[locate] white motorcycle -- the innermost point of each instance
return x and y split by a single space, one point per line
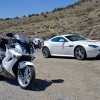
16 61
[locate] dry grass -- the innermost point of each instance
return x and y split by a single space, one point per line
83 18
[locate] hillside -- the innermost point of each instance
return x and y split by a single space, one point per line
82 18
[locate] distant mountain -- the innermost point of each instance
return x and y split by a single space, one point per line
82 17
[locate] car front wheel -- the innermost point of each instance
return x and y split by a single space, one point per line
46 52
80 53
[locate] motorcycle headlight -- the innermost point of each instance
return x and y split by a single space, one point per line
24 51
93 46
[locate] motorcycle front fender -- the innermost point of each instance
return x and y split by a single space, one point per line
23 64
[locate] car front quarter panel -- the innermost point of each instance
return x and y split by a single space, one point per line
91 52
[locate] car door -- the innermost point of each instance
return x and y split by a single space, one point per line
57 45
67 49
60 46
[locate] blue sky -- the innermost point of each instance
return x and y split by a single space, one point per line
14 8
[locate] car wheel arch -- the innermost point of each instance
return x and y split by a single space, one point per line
78 46
47 47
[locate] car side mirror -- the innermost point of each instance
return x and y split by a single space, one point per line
61 40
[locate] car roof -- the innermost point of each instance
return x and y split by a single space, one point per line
67 35
64 35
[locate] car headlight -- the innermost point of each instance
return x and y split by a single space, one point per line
93 46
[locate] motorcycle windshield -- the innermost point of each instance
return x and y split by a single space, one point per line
22 38
25 44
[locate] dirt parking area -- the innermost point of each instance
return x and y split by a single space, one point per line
58 79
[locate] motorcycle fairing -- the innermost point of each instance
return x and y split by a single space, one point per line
23 64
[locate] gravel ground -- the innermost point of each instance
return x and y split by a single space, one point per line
58 79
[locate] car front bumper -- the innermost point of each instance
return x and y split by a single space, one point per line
93 52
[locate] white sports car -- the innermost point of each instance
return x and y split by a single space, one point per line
71 45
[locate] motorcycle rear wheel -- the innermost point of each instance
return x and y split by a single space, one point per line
26 78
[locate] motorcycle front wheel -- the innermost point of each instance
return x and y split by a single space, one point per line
26 77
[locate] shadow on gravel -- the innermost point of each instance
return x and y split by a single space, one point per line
97 58
88 59
11 81
58 57
41 85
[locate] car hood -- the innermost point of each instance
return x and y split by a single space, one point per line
88 42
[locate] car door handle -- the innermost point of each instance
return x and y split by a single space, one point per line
71 45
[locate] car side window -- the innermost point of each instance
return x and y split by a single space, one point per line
59 39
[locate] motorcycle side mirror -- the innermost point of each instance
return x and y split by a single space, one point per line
9 34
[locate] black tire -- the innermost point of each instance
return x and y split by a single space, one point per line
39 45
46 52
30 84
80 53
34 46
1 77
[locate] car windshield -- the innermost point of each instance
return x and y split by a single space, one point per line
75 38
